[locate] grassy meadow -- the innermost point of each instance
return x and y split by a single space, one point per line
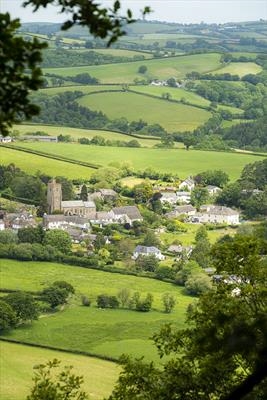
17 362
178 161
163 68
32 163
77 133
102 332
240 68
172 116
175 93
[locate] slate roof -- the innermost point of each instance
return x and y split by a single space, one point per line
146 250
218 210
77 203
131 211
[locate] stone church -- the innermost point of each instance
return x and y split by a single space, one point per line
69 207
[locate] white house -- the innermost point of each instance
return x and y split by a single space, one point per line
188 184
102 217
61 221
183 197
147 251
213 190
6 139
188 210
168 197
217 215
127 214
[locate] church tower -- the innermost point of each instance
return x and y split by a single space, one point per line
54 196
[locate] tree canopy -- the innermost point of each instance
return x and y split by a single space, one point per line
222 352
20 59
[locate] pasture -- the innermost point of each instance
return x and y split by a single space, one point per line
17 362
178 161
101 332
171 116
175 94
163 68
77 133
123 53
240 68
32 163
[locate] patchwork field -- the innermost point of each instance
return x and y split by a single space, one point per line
77 133
240 69
17 362
101 332
32 163
178 161
172 116
157 68
175 93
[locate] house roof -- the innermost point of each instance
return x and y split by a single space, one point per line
131 211
218 210
107 192
168 195
77 203
146 250
181 194
184 209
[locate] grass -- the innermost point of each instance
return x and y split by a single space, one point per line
176 94
32 163
157 68
102 332
178 161
187 238
172 116
17 362
86 89
240 68
77 133
122 53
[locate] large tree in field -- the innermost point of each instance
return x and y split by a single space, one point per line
19 59
222 353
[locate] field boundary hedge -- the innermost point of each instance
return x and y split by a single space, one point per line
52 156
135 135
69 351
207 108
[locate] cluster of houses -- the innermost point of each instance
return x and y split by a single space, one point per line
208 213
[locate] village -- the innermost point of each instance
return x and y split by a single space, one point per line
84 222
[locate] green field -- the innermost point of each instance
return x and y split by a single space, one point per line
173 117
77 133
17 362
102 332
157 68
178 161
240 68
122 53
32 163
176 94
86 89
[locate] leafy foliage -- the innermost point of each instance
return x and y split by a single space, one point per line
19 73
23 304
49 385
222 353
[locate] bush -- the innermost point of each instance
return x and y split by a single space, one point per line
198 284
104 301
